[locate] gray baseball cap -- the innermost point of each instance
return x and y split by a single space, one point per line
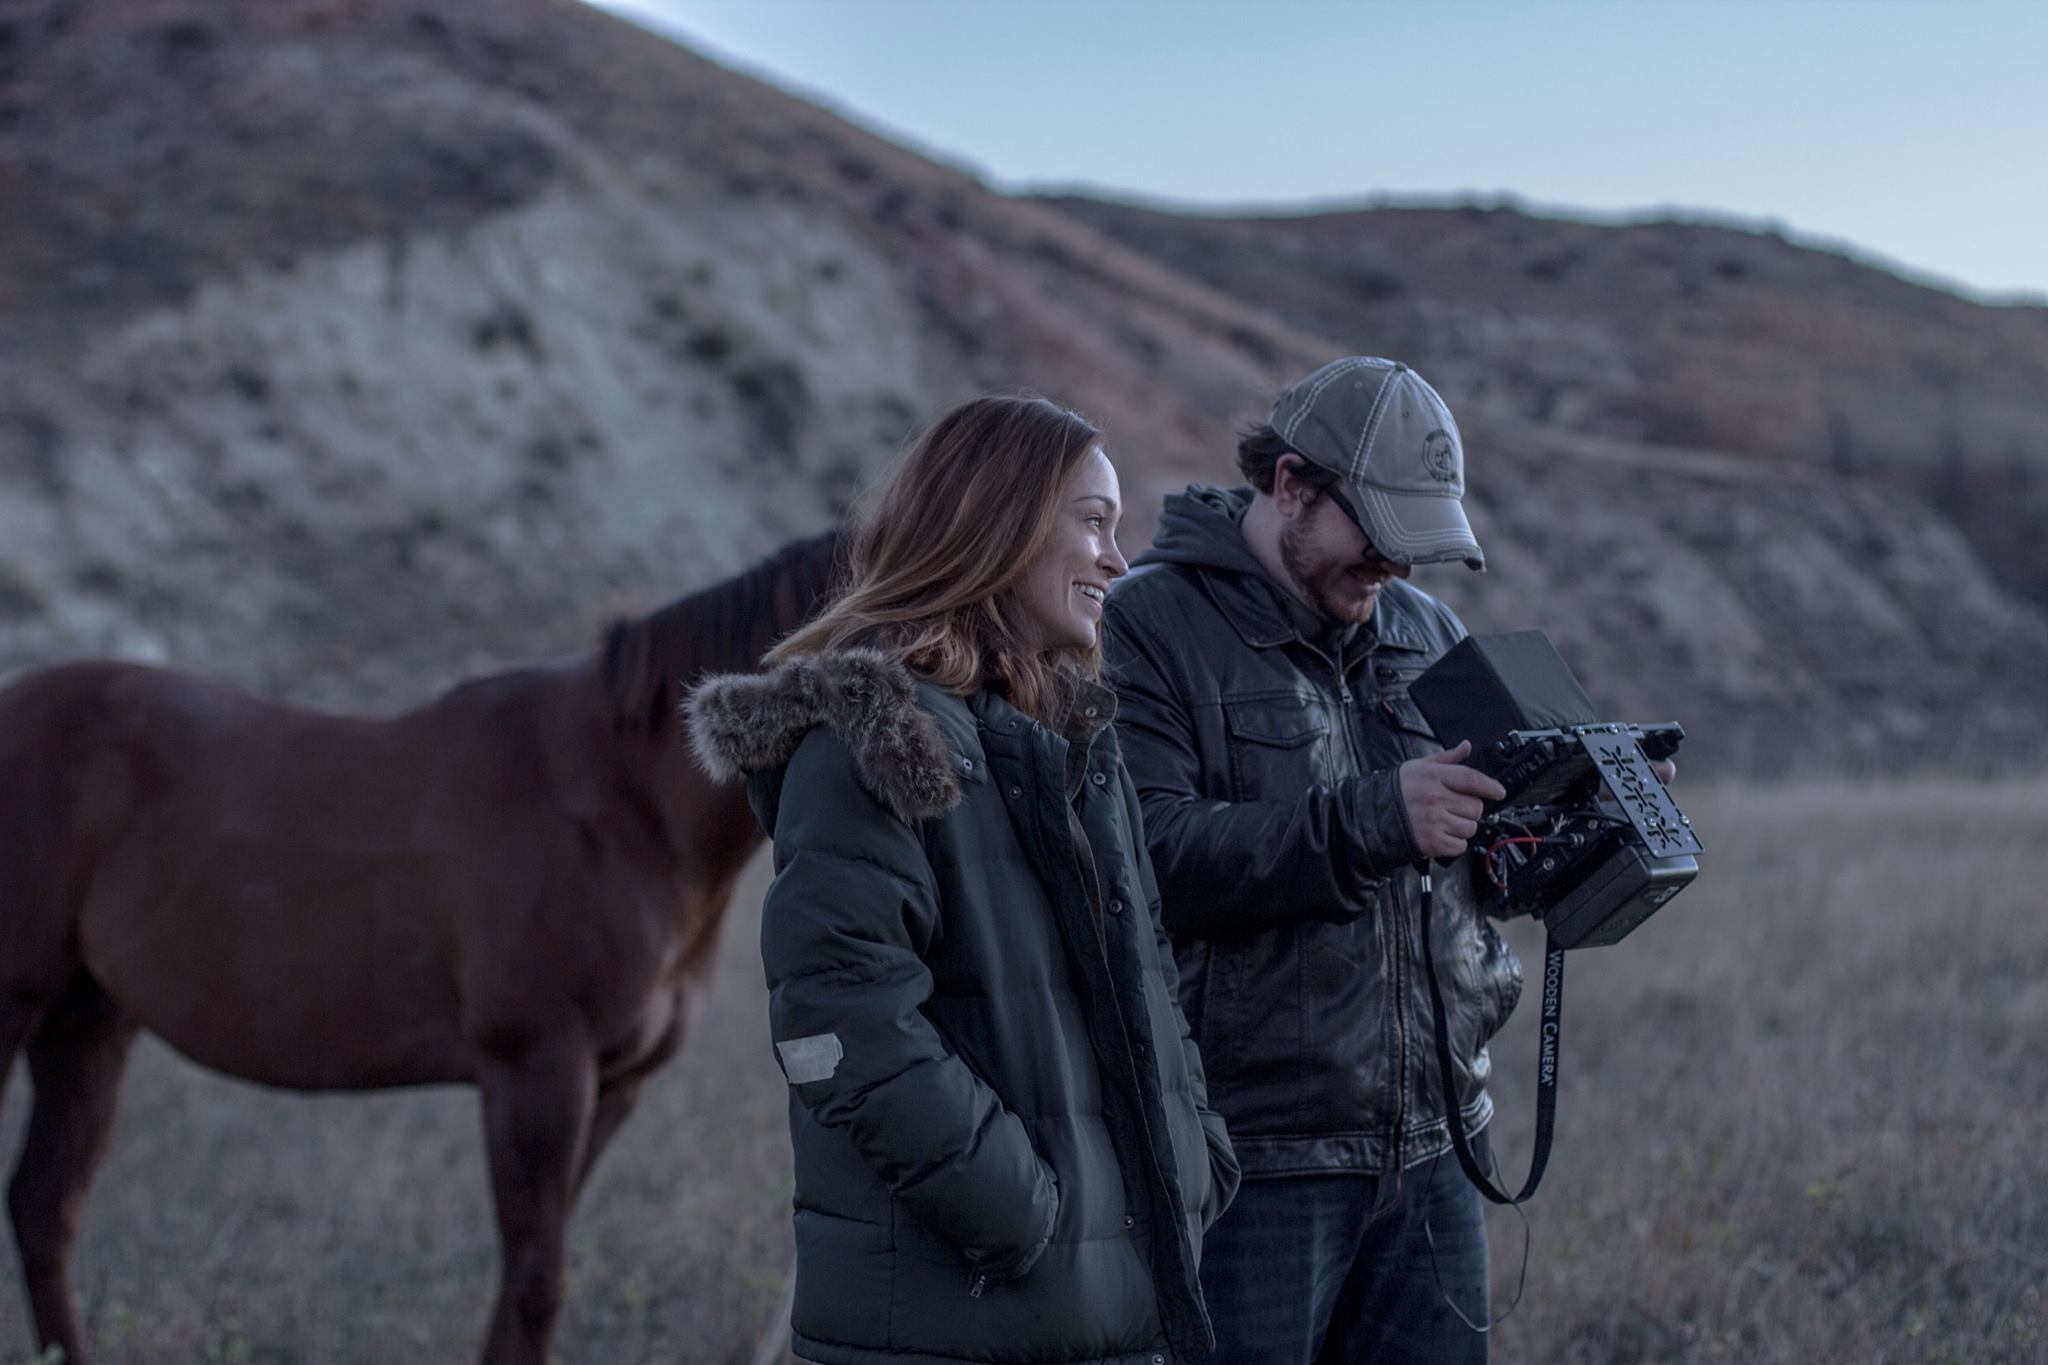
1383 431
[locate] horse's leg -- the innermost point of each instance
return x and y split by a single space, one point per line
18 1015
537 1114
17 1019
614 1104
76 1060
27 985
617 1094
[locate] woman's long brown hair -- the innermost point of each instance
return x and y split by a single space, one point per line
936 564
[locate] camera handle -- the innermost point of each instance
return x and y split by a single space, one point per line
1546 1061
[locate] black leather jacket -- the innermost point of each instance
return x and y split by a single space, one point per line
1266 766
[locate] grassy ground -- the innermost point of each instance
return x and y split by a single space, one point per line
1802 1108
233 1224
1801 1120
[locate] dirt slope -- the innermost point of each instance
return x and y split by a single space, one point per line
347 348
1668 334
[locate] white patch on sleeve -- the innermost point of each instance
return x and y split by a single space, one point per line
810 1059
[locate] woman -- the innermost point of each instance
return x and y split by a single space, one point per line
1004 1150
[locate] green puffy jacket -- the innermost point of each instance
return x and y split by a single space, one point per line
1004 1150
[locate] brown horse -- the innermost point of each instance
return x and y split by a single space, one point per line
517 887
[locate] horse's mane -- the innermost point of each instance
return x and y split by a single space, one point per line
649 661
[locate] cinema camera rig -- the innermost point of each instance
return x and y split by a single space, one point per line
1588 840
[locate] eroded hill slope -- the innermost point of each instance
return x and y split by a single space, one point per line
351 346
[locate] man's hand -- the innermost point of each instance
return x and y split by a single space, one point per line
1445 800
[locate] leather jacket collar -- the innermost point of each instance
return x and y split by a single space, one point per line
1204 527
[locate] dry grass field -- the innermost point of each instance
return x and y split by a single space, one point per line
1802 1109
234 1224
1801 1120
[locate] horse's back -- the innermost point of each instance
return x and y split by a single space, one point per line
271 889
54 725
152 732
86 708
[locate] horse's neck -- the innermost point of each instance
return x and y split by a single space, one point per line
687 653
728 627
719 832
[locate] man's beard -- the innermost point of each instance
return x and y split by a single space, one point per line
1328 583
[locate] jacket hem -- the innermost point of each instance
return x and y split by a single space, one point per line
1261 1157
839 1353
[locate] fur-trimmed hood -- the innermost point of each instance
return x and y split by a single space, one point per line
744 723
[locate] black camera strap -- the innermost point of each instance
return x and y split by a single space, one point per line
1546 1061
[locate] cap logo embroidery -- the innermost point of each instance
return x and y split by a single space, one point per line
1438 458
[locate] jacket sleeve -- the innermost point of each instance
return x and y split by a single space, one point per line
1235 867
845 927
1224 1172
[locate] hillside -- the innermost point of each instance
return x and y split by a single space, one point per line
1667 334
351 346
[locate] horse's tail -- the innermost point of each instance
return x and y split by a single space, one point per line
44 732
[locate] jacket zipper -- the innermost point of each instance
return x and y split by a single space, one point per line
1399 1002
1346 697
1397 986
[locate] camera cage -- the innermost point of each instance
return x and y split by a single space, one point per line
1588 839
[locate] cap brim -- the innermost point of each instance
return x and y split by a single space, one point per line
1416 528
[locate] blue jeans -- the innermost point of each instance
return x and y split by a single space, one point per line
1296 1273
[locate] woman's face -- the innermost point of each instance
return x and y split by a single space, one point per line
1059 599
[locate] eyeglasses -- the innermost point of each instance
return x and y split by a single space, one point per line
1372 551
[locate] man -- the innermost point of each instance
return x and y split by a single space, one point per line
1262 650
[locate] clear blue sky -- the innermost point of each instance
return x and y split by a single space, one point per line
1916 133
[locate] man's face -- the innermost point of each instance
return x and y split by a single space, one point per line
1334 566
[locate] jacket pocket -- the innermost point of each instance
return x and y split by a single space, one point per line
1279 746
1482 977
1504 974
1004 1257
1224 1013
844 1268
1409 729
